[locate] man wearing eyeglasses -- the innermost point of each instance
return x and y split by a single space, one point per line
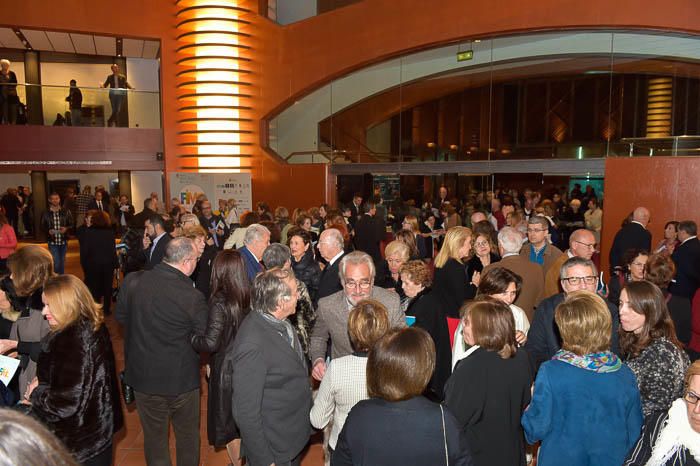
543 338
538 249
357 274
581 244
674 434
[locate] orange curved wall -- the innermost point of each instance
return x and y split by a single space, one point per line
293 60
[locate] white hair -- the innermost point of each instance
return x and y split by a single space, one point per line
332 235
356 258
5 61
510 240
255 232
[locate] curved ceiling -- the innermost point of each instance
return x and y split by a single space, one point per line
295 129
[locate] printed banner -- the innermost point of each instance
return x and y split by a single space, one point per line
216 186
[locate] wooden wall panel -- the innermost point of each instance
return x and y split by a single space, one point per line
667 186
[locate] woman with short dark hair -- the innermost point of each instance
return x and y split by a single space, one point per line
660 270
649 344
345 382
490 389
585 407
634 263
305 267
397 426
75 392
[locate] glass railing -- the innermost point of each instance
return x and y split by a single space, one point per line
84 106
664 146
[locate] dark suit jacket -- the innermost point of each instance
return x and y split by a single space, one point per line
687 260
631 236
252 266
532 290
139 220
271 394
128 215
330 280
356 213
156 257
369 232
92 205
409 432
97 247
452 286
160 311
543 338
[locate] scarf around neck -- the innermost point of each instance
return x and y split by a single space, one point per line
675 435
602 362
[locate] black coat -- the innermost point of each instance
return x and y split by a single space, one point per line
474 265
154 258
77 396
385 280
138 221
369 232
687 260
544 339
329 282
429 312
487 395
409 432
202 274
631 236
160 311
308 272
97 248
218 340
452 286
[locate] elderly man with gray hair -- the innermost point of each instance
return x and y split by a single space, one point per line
532 290
543 338
256 240
331 247
272 395
357 274
160 311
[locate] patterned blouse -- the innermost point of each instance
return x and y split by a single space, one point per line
660 371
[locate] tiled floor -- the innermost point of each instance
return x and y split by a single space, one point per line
128 443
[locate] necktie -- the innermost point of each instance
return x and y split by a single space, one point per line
99 205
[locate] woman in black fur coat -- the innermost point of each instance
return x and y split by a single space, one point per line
75 392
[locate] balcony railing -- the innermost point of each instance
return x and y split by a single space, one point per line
51 106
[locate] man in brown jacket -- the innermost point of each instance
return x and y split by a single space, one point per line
538 250
532 290
581 244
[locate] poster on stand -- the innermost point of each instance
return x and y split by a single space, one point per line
187 187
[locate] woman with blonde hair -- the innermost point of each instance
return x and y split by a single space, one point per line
586 407
489 411
75 392
451 282
410 223
388 276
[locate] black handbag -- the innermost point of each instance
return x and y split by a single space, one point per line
127 390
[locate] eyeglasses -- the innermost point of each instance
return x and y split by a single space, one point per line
535 230
363 284
588 245
639 264
691 397
590 280
481 244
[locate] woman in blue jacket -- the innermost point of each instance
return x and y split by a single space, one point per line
586 407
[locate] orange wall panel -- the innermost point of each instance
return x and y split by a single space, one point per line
667 186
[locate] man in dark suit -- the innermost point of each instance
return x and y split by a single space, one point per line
532 290
160 311
214 224
155 241
686 256
256 240
272 399
369 232
138 221
330 245
123 212
98 203
355 209
543 338
634 235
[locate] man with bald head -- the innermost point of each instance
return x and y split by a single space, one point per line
581 244
634 235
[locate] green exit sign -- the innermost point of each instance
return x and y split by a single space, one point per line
466 55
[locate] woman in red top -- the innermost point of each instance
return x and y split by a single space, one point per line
8 242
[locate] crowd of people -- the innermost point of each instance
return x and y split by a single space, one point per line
468 332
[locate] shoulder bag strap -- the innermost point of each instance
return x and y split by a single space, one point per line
444 435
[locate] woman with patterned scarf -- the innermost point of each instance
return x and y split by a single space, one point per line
672 438
586 407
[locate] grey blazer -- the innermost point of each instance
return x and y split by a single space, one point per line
332 322
271 394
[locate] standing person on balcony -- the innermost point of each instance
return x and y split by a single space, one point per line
117 84
56 222
8 94
75 103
